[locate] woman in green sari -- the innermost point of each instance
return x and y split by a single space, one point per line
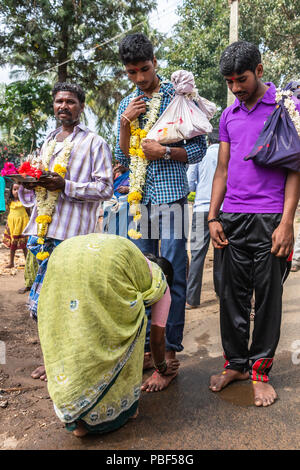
92 326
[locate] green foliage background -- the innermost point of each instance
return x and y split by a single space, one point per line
37 35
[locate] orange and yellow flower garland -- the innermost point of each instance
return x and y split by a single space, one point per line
138 161
46 200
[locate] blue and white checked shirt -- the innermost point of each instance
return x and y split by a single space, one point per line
166 180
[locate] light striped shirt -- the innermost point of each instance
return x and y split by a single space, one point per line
89 180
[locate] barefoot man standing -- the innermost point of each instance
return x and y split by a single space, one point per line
255 230
165 188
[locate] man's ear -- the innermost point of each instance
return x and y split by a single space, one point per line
259 71
155 62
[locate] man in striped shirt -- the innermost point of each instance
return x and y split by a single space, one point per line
87 182
166 185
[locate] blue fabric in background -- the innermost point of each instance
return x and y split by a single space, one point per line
33 245
2 191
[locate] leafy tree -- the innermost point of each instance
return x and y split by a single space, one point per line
42 34
38 35
202 34
12 152
24 110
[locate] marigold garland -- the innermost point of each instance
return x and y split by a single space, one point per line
138 161
46 200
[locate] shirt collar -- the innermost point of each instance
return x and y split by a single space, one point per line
79 127
268 98
163 84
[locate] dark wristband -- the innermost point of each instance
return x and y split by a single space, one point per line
216 219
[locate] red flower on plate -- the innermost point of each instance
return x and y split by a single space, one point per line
27 170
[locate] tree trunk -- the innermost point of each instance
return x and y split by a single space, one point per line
63 53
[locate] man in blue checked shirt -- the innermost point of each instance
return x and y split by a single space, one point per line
165 189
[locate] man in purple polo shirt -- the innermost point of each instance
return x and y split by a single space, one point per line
255 230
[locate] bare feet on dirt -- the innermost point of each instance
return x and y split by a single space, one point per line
264 394
39 373
9 266
80 431
23 290
220 381
157 382
135 415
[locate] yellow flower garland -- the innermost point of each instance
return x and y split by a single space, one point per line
139 162
46 200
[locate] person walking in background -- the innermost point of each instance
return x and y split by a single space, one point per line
115 211
17 220
200 177
296 256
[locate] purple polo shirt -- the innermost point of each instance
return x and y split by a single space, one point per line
250 188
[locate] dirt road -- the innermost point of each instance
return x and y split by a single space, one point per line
190 416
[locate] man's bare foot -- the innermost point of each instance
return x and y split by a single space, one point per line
157 382
9 266
218 382
23 290
264 393
80 431
148 361
39 373
170 355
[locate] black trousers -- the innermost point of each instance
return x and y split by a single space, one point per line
249 267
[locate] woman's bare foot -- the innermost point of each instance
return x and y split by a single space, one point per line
23 290
135 414
264 394
80 431
39 373
218 382
148 361
157 382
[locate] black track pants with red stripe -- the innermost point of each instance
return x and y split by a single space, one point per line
249 267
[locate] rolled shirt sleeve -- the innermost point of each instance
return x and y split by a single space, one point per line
195 149
119 154
26 196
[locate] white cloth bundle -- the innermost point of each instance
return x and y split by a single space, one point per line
183 118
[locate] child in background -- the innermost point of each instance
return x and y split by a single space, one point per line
16 222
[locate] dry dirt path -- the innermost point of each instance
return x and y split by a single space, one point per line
196 419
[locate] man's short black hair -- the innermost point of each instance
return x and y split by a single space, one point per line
239 57
65 86
213 136
135 48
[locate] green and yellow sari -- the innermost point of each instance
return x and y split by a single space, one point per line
92 323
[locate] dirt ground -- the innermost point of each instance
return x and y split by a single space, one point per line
27 418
